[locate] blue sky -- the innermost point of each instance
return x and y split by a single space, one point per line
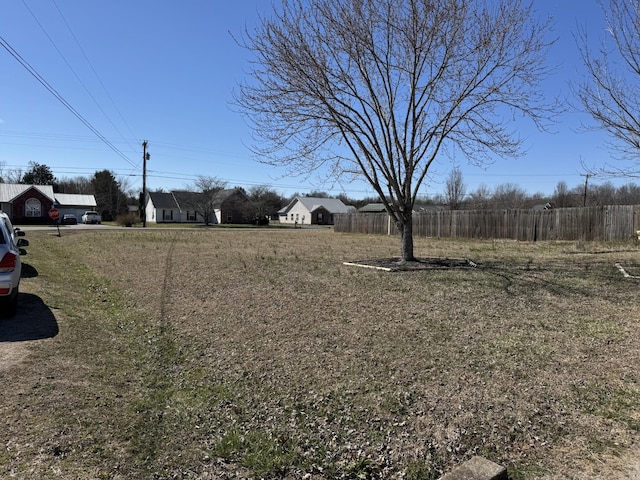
164 71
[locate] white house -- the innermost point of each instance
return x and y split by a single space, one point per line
163 207
313 211
228 206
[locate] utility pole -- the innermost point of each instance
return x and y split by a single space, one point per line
145 157
586 183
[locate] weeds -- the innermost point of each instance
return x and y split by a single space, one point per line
257 451
258 352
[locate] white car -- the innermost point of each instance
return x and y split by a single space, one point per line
10 265
91 216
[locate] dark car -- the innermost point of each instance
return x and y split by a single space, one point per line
69 219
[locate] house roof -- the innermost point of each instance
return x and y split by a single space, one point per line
223 195
163 200
546 206
76 200
185 200
372 208
10 191
429 208
331 205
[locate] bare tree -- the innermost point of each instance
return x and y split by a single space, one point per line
509 195
378 89
266 202
207 189
79 185
628 194
126 185
480 199
611 92
562 197
13 175
455 189
603 194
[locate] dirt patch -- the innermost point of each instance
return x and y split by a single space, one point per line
11 354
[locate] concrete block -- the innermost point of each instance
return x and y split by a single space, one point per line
478 468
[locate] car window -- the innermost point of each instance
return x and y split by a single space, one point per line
4 234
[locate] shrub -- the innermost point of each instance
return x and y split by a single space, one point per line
127 219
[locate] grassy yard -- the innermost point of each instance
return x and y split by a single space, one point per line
240 353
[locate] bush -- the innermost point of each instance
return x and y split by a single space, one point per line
127 219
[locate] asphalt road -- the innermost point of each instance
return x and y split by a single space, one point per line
79 226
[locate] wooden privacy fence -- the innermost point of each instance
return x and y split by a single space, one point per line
613 222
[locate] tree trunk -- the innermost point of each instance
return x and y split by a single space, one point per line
406 238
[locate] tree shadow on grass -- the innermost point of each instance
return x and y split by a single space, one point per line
398 265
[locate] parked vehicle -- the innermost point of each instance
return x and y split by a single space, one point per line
10 265
69 219
91 216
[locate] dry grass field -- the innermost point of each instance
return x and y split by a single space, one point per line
241 353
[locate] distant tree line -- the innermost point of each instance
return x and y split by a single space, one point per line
113 196
510 195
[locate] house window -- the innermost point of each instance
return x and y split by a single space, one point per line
167 214
229 217
319 217
33 208
191 216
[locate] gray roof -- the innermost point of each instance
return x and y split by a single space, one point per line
223 195
75 200
372 208
331 205
186 200
9 191
163 200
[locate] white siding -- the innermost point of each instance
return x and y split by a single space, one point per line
297 213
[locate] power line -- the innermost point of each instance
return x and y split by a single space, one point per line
104 88
61 99
70 67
